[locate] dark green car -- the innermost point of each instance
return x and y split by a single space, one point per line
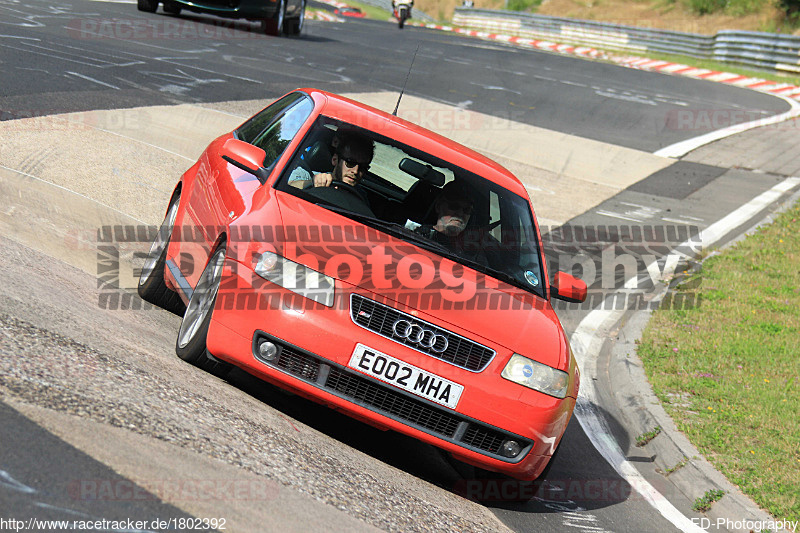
277 17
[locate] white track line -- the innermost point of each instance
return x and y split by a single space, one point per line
588 339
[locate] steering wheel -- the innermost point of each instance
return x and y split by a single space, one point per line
341 185
342 195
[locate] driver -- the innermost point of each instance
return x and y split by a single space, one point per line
350 162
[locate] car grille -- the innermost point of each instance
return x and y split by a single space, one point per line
381 318
391 402
298 364
484 438
367 392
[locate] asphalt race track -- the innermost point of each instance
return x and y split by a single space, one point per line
99 55
104 107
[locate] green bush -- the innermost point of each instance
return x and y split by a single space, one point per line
706 7
522 5
738 8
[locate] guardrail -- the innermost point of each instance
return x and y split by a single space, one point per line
754 49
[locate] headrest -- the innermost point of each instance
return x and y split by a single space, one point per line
318 157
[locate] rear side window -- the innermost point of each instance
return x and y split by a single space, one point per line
274 128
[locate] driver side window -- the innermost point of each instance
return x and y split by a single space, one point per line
274 128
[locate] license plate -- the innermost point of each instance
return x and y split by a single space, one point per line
405 376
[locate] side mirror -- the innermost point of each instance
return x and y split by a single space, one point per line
246 157
568 288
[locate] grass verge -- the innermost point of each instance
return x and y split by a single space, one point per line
728 370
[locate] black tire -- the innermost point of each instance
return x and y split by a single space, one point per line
401 19
191 342
295 25
151 281
172 7
148 6
276 25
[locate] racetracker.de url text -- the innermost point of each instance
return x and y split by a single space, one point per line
103 524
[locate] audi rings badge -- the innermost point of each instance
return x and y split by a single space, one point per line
423 337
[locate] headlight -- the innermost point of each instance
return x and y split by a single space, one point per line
295 277
536 376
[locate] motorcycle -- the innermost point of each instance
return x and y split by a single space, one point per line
402 11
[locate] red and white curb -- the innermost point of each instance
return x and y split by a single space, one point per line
323 15
758 84
327 16
334 3
519 41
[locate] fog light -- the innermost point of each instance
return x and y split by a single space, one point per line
267 350
510 448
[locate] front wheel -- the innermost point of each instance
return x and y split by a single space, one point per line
192 335
151 281
401 19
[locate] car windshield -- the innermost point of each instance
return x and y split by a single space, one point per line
422 200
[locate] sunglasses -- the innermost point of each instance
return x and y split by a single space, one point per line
350 162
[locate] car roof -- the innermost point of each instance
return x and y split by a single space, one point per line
369 118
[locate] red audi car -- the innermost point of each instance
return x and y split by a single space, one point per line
368 264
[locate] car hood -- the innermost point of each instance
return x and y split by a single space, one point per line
422 283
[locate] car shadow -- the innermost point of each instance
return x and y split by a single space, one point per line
580 479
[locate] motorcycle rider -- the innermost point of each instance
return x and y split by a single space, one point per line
397 4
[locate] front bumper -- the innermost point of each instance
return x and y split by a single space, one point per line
389 401
314 347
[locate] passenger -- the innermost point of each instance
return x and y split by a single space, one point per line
453 208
